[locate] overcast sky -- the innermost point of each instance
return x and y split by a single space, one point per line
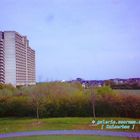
91 39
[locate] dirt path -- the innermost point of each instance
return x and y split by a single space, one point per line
72 132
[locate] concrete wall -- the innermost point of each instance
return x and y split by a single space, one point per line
10 58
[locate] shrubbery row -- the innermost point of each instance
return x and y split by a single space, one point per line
66 100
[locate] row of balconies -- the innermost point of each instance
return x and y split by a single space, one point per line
21 52
21 78
2 68
1 43
19 42
20 46
2 74
1 59
20 49
21 73
2 77
19 64
18 37
20 58
31 77
2 63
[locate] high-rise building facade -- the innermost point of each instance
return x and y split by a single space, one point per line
2 69
19 59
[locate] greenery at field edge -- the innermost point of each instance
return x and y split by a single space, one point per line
8 125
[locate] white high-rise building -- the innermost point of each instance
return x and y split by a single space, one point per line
2 69
19 59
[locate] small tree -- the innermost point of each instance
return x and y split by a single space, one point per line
93 100
37 100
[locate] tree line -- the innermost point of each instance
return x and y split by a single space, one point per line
56 99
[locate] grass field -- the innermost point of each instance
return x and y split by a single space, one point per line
29 124
67 138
